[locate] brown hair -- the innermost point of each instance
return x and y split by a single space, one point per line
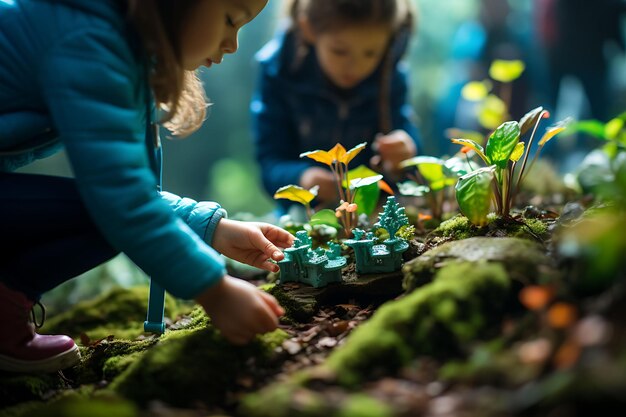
328 15
178 91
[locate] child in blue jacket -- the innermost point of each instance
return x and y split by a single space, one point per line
334 76
86 76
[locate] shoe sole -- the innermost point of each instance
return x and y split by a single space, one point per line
52 364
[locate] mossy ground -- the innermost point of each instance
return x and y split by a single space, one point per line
458 335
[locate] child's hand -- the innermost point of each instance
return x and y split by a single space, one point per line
253 243
327 192
240 310
392 149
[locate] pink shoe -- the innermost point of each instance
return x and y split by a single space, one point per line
23 350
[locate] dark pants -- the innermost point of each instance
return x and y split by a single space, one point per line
48 236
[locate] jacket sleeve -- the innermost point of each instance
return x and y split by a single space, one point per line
202 216
96 93
402 114
275 135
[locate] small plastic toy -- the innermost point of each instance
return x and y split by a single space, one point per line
317 267
385 257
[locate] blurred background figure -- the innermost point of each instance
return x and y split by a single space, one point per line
581 39
583 44
497 31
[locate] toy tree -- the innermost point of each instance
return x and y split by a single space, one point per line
392 218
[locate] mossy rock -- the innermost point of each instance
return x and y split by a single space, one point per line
464 303
193 366
525 261
120 312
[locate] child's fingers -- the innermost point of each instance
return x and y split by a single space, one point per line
272 303
267 320
269 266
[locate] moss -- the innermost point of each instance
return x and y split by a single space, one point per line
21 409
294 309
15 388
360 405
490 364
524 260
192 365
120 312
534 226
294 398
458 227
417 325
94 358
117 364
78 405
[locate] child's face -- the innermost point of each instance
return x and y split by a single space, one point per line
211 30
350 55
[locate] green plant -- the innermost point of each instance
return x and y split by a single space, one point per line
338 160
501 179
431 179
603 171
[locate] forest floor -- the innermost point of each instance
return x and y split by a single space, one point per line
509 340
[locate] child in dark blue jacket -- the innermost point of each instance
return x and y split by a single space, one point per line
334 76
86 75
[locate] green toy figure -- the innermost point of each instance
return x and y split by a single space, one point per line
385 257
317 267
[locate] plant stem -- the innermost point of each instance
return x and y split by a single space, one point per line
505 192
520 176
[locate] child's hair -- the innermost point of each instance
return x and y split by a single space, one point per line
328 15
179 92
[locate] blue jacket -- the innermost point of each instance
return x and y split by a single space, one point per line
296 109
72 76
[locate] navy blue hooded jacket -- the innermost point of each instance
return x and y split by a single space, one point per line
296 109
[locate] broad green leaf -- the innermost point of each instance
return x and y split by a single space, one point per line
442 183
613 128
502 142
413 189
431 171
368 193
473 193
416 160
476 90
456 167
430 168
368 183
364 182
530 119
492 112
475 147
359 172
552 131
296 193
517 152
366 198
326 217
593 128
506 71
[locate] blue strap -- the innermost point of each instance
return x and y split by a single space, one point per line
155 322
